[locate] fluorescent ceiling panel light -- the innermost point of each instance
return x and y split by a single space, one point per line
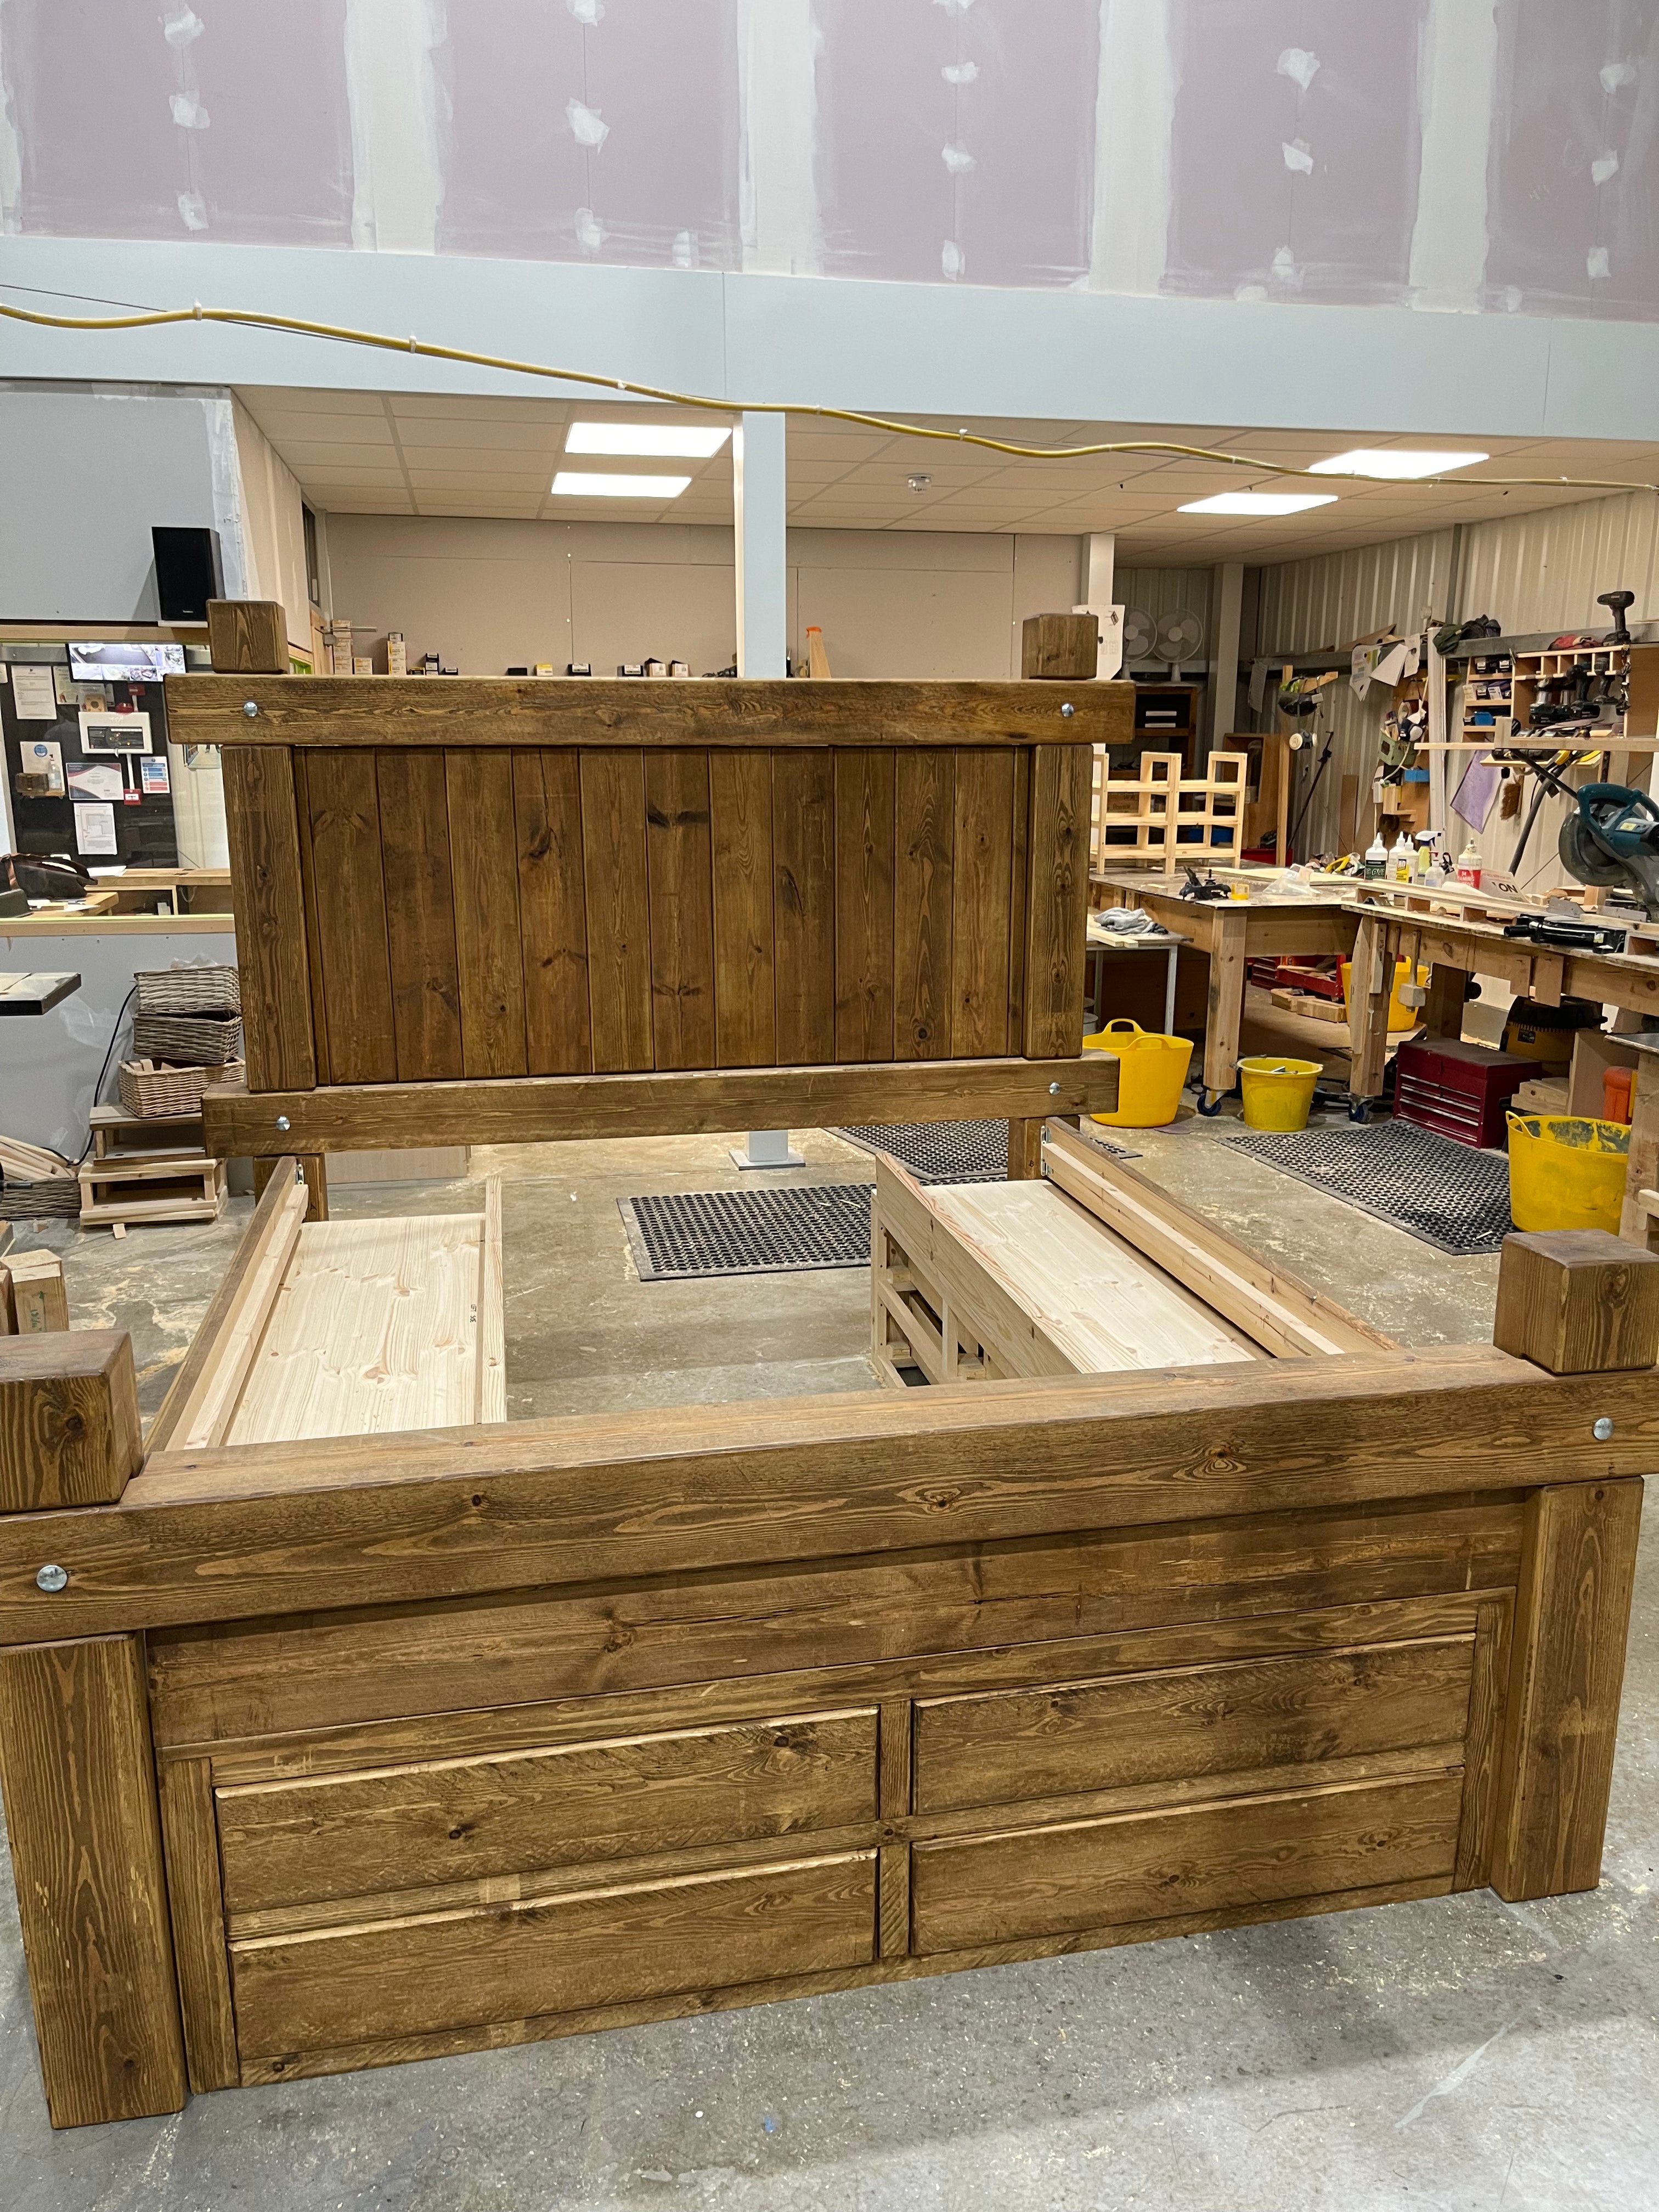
576 483
657 441
1258 502
1394 461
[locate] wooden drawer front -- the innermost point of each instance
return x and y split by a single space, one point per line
409 1828
552 1954
1203 1858
1233 1718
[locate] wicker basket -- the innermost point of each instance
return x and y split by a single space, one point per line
57 1196
203 1040
148 1090
202 990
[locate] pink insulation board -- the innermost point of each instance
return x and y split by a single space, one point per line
226 120
956 140
1573 180
591 132
1295 148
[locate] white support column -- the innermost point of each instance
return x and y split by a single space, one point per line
760 519
1229 602
1100 562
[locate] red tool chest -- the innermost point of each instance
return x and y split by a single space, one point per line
1461 1090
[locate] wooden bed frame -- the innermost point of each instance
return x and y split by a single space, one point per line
345 1750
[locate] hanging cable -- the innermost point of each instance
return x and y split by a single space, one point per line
343 334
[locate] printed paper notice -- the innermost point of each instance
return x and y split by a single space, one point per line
95 829
153 776
34 698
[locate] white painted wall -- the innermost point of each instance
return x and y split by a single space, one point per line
490 595
273 527
88 469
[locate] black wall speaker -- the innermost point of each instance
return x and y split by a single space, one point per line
186 572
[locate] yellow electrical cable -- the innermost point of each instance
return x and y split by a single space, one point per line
343 333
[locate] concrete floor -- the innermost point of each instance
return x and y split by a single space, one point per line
1458 2054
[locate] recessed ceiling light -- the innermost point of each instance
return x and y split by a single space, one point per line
1392 461
1258 502
577 483
657 441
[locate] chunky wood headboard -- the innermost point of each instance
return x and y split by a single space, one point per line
461 880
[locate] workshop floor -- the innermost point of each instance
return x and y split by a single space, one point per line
1460 2054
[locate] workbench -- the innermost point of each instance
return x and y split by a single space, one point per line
1270 922
32 993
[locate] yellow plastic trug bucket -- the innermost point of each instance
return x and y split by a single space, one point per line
1150 1071
1400 1018
1277 1092
1567 1171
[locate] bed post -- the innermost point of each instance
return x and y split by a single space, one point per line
1574 1302
76 1762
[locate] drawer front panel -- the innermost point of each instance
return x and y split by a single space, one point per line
1233 1718
554 1955
1140 1867
409 1828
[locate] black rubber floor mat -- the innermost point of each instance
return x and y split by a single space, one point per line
748 1232
952 1152
1451 1195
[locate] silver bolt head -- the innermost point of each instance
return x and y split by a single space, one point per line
1068 710
1602 1430
250 707
52 1578
282 1121
1053 1090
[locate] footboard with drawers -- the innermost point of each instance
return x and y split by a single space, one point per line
340 1751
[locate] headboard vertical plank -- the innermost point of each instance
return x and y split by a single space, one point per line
740 814
1019 896
1058 914
864 904
415 848
982 903
484 840
552 910
342 826
803 871
924 838
618 910
679 863
268 895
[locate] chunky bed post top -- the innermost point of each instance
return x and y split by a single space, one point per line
789 902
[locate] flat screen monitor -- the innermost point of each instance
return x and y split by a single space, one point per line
91 663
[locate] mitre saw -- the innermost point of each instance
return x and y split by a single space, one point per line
1612 840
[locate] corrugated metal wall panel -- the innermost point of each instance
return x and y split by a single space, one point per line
1534 572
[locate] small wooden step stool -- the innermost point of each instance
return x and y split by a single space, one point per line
148 1169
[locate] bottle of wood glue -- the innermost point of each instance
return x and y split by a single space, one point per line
1401 860
1468 865
1377 859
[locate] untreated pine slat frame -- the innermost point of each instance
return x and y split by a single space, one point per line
640 1104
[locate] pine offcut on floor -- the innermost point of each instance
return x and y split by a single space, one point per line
952 1152
1451 1195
